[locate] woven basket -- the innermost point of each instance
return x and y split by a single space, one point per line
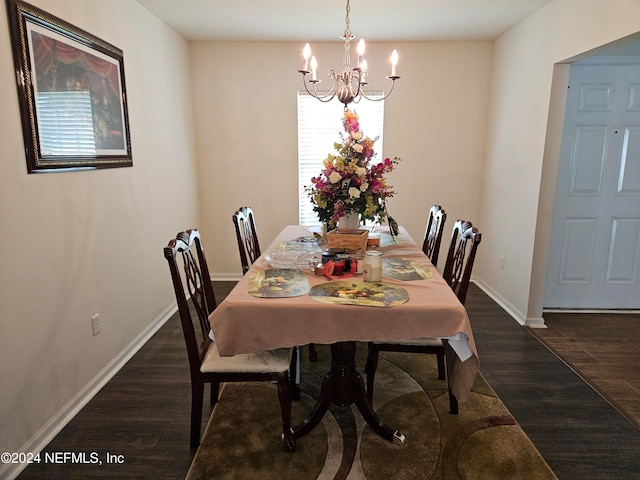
350 240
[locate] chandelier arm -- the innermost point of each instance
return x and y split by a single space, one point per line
384 95
358 77
328 96
323 98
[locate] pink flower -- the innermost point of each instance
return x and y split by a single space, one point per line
351 121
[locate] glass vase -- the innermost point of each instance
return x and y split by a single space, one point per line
350 221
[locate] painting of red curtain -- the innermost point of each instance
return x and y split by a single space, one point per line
72 94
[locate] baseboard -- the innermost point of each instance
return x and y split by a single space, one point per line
591 310
535 322
48 432
507 307
226 277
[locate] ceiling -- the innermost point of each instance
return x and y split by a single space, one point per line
324 20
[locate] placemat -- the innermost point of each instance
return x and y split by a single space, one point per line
375 294
405 269
278 283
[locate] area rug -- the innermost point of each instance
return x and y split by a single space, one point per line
242 439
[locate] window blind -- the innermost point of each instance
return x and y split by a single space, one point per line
65 123
319 127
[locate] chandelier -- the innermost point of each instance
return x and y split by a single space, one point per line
350 83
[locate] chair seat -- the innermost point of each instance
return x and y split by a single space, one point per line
431 341
263 362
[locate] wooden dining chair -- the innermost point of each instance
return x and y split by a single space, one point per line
433 233
205 363
465 239
249 248
247 237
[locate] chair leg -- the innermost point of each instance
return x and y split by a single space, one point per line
284 396
370 370
294 373
197 394
313 355
441 368
453 403
215 392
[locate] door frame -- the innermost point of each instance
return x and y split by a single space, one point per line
549 173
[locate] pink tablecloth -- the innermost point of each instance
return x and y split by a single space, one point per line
243 323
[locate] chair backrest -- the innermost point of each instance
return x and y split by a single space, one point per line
247 236
198 282
465 239
433 233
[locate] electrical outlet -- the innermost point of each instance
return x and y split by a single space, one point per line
501 263
95 324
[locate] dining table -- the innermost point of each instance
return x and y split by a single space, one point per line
414 306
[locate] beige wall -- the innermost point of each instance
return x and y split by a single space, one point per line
82 243
516 204
245 116
76 244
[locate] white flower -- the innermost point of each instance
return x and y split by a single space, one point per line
356 135
364 186
358 148
361 171
334 177
354 192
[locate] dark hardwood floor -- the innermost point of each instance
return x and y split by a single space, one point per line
142 414
578 432
604 349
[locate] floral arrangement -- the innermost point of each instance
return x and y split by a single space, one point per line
350 181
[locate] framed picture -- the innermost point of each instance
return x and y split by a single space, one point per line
72 94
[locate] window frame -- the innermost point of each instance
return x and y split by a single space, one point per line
319 127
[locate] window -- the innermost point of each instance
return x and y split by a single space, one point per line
319 127
65 123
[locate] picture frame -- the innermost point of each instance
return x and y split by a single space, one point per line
71 91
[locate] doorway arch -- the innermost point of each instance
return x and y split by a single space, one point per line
629 47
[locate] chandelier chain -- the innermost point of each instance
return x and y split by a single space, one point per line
347 30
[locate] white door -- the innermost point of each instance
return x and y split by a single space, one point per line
594 254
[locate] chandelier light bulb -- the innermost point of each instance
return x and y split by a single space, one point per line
360 52
306 52
394 62
314 68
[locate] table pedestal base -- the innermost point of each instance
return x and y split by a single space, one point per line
343 386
